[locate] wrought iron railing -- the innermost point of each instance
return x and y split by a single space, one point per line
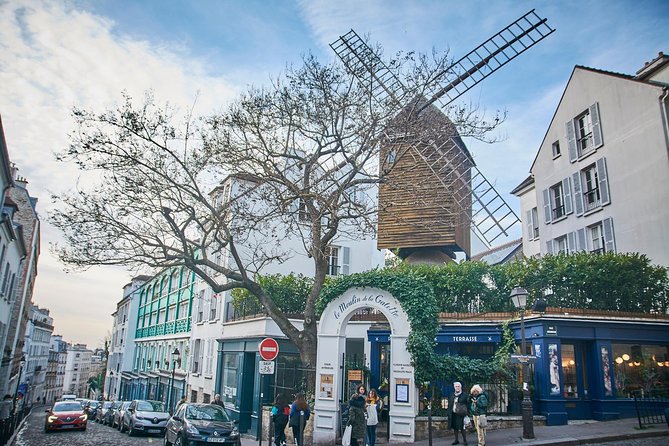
651 406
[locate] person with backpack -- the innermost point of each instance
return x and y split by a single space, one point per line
280 416
373 409
298 408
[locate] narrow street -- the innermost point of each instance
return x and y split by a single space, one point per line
32 434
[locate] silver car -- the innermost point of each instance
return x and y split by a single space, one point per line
145 416
118 413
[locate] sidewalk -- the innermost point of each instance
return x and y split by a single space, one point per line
578 433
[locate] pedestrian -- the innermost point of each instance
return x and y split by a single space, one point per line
457 411
356 418
373 410
478 407
280 417
217 400
181 401
298 408
361 390
6 407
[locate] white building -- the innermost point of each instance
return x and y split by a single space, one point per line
77 370
122 346
36 352
600 180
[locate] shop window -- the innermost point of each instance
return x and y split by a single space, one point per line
640 368
230 379
570 381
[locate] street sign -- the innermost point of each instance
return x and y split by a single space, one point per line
523 359
269 349
266 367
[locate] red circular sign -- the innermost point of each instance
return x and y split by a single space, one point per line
269 349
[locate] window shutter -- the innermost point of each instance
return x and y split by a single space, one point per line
609 239
596 125
603 181
530 229
578 194
549 247
566 190
345 260
535 223
582 246
571 140
547 205
571 242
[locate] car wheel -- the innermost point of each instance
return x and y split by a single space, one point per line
131 431
179 441
122 427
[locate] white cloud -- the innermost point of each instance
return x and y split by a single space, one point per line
53 58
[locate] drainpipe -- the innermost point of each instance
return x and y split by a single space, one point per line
663 104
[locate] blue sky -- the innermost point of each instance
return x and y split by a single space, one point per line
56 55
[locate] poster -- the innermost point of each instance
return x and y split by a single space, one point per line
325 389
606 372
402 390
554 369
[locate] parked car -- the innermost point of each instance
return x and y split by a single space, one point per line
91 408
195 424
145 416
108 416
68 397
102 411
65 415
118 414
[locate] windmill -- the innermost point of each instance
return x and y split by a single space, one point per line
433 192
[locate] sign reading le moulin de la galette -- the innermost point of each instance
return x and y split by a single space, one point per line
366 300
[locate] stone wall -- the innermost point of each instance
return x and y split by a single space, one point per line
440 425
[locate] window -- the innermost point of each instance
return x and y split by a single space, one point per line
213 307
584 133
591 197
641 366
332 254
533 224
560 245
597 239
591 188
556 149
196 356
557 202
302 213
200 306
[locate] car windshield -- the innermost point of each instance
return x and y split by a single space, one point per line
126 405
208 412
107 404
67 407
150 406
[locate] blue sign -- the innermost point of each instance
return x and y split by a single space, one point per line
23 387
467 338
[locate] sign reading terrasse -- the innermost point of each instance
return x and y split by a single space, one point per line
366 300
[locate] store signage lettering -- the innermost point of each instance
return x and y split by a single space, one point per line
465 338
379 300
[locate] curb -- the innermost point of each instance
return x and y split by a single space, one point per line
595 439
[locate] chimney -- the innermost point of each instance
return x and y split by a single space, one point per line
21 182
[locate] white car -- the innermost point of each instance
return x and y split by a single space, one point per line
145 416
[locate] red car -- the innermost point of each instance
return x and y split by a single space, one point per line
65 415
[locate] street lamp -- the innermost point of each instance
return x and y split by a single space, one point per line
519 299
176 356
22 363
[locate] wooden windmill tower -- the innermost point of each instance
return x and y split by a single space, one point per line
433 194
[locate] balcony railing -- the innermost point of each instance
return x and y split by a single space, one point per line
558 212
592 199
182 325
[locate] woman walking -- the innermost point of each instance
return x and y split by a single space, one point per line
478 406
356 418
457 410
298 408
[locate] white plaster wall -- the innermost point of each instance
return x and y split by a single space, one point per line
636 156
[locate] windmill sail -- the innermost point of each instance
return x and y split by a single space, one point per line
472 199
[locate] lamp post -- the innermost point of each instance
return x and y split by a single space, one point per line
22 363
176 356
519 299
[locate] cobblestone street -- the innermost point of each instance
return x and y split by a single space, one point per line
32 434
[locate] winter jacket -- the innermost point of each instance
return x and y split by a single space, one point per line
478 405
356 417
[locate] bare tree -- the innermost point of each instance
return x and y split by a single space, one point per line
307 148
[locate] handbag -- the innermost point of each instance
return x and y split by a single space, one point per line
346 438
467 422
460 408
483 421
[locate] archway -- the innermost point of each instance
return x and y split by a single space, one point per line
331 345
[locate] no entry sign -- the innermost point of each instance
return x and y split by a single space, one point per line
269 349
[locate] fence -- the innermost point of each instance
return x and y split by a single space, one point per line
651 405
292 378
8 426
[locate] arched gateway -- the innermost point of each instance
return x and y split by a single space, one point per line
331 345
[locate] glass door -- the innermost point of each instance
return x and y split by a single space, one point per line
575 380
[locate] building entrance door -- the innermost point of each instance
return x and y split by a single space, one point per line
575 370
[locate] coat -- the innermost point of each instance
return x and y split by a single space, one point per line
356 417
478 405
455 421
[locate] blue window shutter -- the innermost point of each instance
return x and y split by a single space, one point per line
580 235
571 140
596 125
603 181
578 194
547 205
571 242
609 238
549 247
345 260
566 190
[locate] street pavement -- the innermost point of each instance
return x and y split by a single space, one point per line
32 434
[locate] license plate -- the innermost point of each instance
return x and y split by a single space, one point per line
154 431
215 440
67 426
